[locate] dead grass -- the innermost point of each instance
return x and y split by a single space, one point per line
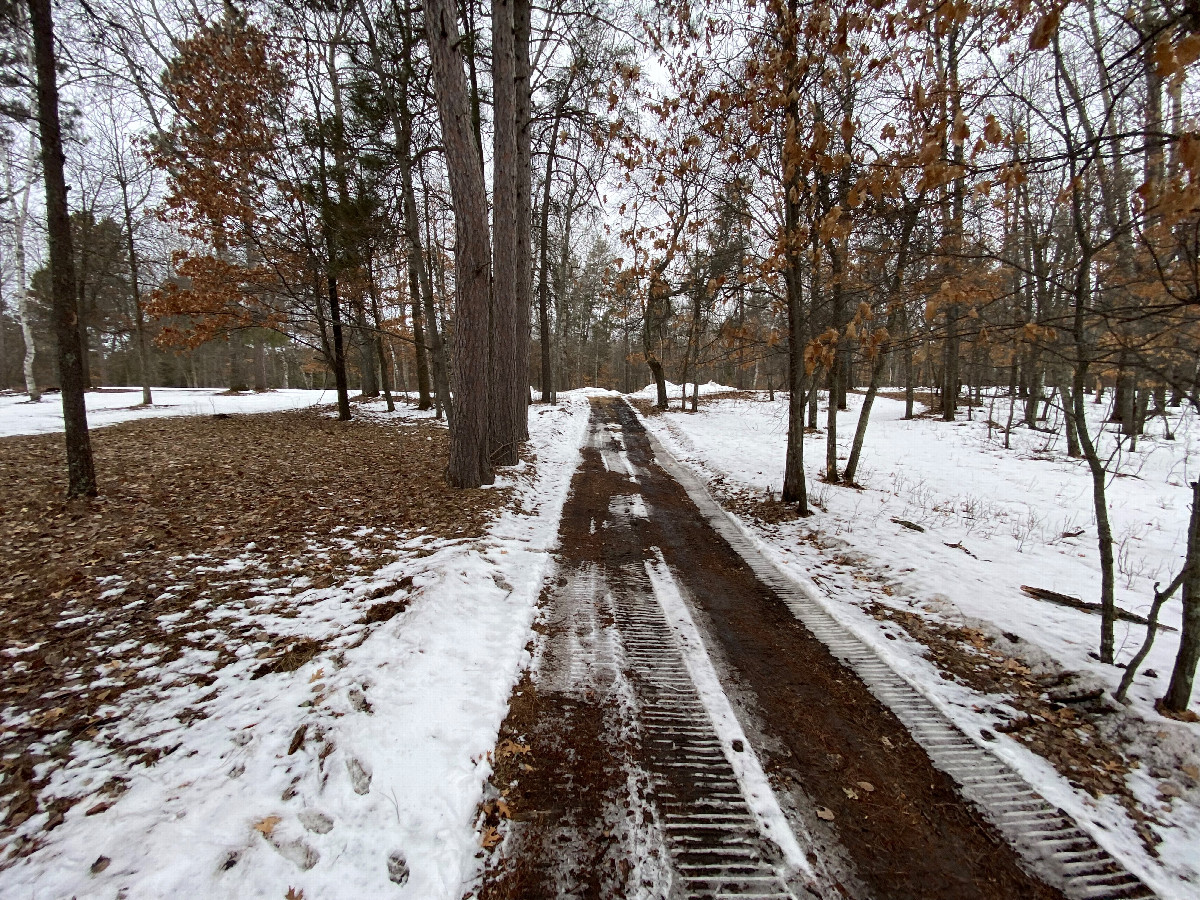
194 515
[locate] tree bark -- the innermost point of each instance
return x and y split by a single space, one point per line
384 379
260 364
1179 692
339 343
1072 432
470 464
864 415
522 29
139 319
433 329
503 425
81 473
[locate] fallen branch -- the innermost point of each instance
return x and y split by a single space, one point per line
1076 603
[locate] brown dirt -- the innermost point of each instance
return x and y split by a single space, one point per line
558 767
823 733
179 498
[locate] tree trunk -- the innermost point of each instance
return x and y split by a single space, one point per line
1140 408
364 339
339 344
139 319
1072 432
81 473
522 29
950 366
332 270
433 329
1103 526
831 462
795 486
85 359
660 381
1179 692
20 214
1033 398
237 376
546 370
260 364
422 355
470 464
378 342
503 412
860 431
544 330
418 327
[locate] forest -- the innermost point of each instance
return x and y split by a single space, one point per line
937 198
982 211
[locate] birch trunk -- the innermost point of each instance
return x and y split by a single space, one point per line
20 214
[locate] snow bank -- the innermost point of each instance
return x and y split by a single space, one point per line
113 405
650 392
377 794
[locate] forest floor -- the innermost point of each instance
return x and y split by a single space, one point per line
925 562
275 658
195 659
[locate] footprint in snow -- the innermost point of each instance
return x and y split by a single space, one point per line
397 867
316 821
297 851
360 777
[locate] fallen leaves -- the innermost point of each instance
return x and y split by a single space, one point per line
824 812
507 747
191 509
297 739
266 825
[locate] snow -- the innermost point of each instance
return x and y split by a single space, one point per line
650 392
379 797
757 790
994 520
113 405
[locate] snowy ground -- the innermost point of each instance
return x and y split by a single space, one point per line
994 520
112 405
359 773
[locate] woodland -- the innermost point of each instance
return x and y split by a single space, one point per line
477 206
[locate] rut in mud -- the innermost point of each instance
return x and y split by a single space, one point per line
614 776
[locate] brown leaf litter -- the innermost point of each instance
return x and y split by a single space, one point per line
196 516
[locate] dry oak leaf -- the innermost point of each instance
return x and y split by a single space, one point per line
267 825
491 837
507 747
1045 29
293 894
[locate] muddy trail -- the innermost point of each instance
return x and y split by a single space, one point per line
686 736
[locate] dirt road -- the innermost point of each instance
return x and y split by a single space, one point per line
685 735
